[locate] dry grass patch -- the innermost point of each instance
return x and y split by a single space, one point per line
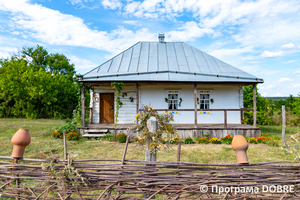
84 149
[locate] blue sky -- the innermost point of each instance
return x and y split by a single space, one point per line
261 37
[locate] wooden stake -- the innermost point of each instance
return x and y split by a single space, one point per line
82 107
137 101
195 104
283 125
65 145
254 105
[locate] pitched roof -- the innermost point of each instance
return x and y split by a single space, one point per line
167 61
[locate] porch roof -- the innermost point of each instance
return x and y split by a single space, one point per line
167 61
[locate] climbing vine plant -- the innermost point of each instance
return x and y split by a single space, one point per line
118 86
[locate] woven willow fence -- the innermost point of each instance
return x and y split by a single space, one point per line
135 179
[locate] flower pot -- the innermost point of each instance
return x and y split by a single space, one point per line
240 146
20 140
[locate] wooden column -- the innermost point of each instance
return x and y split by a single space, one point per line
82 107
225 118
137 100
195 104
242 117
254 105
65 146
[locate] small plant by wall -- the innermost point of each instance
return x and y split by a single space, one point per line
109 137
121 137
188 140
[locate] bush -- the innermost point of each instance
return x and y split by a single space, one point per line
252 140
203 140
55 134
121 137
174 140
188 140
215 140
136 140
227 139
72 136
109 137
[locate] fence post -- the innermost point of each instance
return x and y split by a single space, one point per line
65 145
283 125
152 125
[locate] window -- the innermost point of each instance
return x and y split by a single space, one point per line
172 101
204 101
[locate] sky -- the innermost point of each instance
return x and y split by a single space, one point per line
261 37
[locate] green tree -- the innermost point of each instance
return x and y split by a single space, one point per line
37 84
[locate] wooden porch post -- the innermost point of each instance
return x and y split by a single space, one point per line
195 104
82 107
254 105
137 100
225 118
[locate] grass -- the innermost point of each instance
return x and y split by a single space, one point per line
275 131
83 149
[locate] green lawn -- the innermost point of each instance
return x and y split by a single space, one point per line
83 148
275 131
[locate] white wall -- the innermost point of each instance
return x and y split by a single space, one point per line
126 113
225 97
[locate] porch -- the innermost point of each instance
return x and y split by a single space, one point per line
184 130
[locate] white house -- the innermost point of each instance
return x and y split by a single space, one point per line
204 93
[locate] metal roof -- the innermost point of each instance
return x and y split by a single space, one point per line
167 61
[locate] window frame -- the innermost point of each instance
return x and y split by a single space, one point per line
172 101
206 102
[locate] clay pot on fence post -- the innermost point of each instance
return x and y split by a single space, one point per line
20 140
240 146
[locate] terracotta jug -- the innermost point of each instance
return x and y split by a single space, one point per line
20 140
240 146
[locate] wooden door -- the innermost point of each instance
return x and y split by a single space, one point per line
107 108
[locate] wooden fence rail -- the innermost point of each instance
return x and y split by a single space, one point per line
130 179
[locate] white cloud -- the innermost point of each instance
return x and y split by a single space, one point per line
131 22
290 61
188 31
82 64
270 54
231 52
267 87
284 80
6 52
296 85
53 27
288 46
111 4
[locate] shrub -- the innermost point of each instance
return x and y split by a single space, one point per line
72 136
136 139
121 137
109 137
174 140
252 140
262 139
293 146
188 140
227 139
203 140
55 134
215 140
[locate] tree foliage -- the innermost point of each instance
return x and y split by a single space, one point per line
269 111
36 84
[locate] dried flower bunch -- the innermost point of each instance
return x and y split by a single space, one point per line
154 141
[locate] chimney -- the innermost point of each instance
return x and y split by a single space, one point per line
161 37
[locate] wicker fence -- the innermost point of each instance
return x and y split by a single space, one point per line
135 179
